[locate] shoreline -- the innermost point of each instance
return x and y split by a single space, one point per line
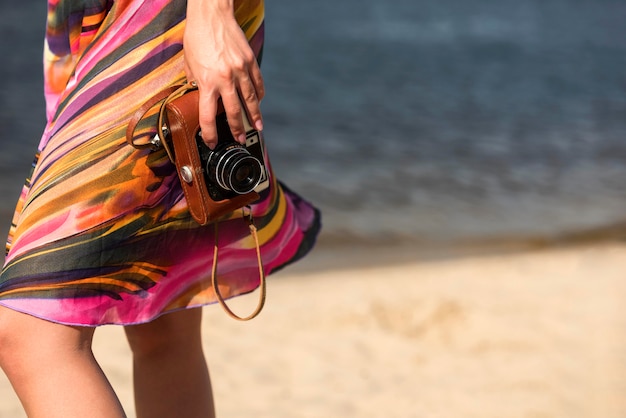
338 251
343 251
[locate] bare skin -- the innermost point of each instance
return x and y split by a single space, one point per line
170 374
54 373
53 370
227 70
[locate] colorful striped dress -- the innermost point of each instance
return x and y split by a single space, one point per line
101 232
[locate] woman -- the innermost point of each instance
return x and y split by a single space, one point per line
102 234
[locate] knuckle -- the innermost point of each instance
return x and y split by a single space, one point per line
239 64
250 96
233 108
249 58
225 74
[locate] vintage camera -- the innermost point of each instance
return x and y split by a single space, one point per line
233 169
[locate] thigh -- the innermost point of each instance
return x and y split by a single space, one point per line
48 364
176 329
25 333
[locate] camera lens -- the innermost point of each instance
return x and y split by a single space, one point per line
234 169
243 175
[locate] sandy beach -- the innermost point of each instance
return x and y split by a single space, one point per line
535 334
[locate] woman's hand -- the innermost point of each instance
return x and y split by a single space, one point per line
219 59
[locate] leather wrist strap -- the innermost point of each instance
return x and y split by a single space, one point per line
141 112
262 280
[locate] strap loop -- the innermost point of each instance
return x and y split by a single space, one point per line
262 282
164 97
141 112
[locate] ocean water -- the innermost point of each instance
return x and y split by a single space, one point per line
413 121
451 119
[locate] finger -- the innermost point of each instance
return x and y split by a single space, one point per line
207 108
233 107
251 107
252 91
259 86
257 80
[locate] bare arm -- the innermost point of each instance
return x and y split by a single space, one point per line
219 59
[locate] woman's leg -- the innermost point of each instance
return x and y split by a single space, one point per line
53 370
170 373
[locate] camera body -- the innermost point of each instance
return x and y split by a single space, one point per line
232 169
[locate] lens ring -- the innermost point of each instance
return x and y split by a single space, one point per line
224 161
230 162
251 180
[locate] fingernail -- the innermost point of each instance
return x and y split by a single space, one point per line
258 125
241 139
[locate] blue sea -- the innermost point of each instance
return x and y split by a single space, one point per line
426 122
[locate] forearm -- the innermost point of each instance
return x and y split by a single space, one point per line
220 60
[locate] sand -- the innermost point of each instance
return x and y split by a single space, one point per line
536 334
